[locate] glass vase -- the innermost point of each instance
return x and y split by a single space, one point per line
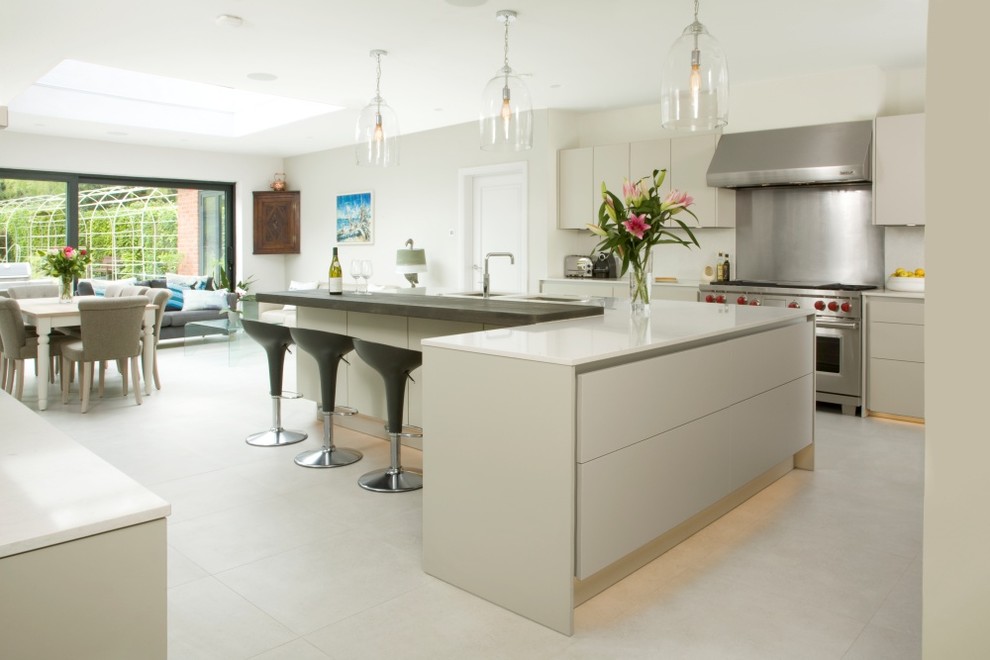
640 284
65 289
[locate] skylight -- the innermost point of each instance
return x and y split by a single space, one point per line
89 92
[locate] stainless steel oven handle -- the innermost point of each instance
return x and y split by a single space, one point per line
842 325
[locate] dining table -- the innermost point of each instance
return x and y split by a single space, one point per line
47 314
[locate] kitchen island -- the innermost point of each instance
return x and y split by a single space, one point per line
400 320
561 457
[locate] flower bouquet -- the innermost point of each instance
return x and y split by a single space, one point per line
633 225
65 264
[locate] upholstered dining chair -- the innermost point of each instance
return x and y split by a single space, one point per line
18 344
111 329
118 290
159 298
33 291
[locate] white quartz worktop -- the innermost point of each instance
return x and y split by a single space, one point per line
53 490
616 335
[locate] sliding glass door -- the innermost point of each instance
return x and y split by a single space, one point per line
132 227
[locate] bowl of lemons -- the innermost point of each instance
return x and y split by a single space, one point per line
907 280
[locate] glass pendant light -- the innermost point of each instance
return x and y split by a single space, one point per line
506 119
377 133
694 94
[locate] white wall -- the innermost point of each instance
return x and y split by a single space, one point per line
957 449
247 173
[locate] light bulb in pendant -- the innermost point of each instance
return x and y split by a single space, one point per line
695 80
379 133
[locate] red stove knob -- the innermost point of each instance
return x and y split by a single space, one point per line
794 304
709 298
741 300
833 306
846 307
754 303
820 305
720 298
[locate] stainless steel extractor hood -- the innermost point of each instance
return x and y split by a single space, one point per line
826 153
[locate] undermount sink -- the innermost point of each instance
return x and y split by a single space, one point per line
524 297
545 298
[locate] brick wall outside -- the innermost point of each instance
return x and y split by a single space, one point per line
188 239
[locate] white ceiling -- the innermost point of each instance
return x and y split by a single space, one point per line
575 54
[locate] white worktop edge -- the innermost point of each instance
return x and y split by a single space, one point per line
54 490
614 336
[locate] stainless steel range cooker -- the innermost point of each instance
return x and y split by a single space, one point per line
838 321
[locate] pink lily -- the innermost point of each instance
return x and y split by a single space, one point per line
677 200
636 225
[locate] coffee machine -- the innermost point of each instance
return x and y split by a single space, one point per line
605 266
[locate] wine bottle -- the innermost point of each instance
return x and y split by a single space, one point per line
336 280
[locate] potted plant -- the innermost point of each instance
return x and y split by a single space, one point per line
246 302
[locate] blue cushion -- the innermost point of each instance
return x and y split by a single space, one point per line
175 300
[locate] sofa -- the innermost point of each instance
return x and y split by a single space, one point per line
175 319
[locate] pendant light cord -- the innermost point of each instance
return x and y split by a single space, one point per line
505 63
378 82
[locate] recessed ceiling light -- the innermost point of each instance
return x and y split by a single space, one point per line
229 20
259 75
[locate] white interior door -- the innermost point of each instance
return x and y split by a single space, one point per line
496 221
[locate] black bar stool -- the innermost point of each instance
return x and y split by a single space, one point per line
275 339
393 365
328 349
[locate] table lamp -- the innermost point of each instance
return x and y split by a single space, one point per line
410 261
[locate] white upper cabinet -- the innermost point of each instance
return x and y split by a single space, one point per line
575 192
581 172
649 155
899 170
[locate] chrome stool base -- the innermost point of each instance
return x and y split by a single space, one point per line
328 458
275 438
390 480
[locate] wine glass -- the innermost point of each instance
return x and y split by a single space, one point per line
367 269
356 274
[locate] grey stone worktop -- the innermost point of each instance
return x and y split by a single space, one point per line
493 311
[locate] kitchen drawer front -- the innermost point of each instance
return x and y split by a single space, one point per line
884 311
630 497
895 341
622 405
685 293
897 388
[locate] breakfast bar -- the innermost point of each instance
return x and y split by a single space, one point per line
401 320
562 457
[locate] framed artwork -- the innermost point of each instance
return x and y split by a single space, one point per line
355 218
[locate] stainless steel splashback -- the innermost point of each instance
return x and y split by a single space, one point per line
808 234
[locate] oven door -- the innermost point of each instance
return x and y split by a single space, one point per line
837 357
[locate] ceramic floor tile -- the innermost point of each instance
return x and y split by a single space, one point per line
181 569
206 620
298 649
437 622
321 583
246 533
